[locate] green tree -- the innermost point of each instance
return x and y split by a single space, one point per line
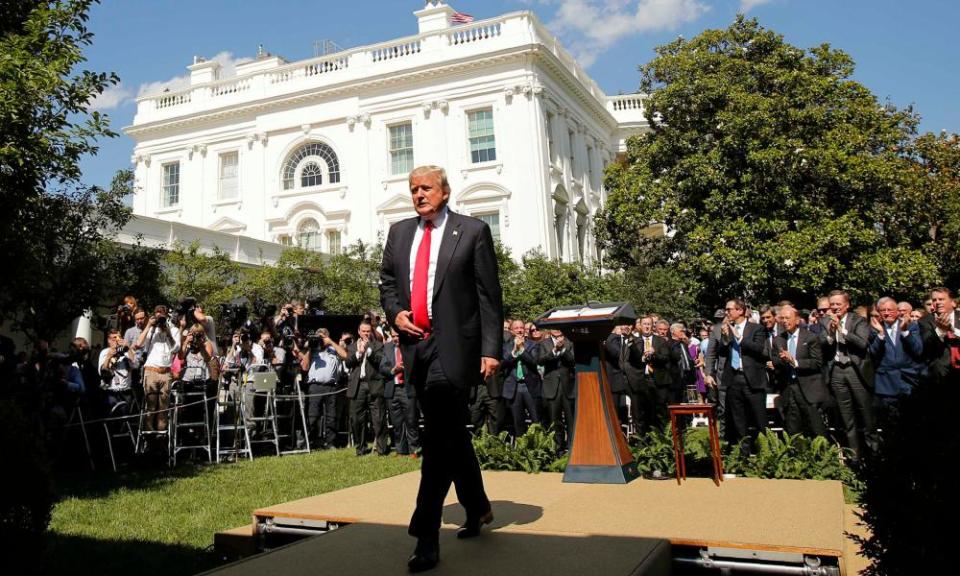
773 170
538 284
55 229
212 278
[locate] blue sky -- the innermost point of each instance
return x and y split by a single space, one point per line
904 51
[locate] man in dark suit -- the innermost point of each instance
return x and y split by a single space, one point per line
365 391
797 359
845 338
521 381
896 350
683 371
648 376
941 339
614 358
741 345
555 356
440 287
401 399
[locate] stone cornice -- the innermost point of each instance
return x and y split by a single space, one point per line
539 52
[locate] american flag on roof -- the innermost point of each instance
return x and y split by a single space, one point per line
461 18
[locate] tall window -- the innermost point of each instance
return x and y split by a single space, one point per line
311 175
493 221
590 168
401 148
171 184
229 175
316 153
333 241
571 146
308 235
483 145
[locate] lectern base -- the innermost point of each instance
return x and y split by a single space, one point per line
601 474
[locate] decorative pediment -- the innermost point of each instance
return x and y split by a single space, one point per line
482 192
228 225
396 203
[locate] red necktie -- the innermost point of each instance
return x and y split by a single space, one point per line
421 269
398 360
954 344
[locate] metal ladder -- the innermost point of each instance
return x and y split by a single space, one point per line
192 395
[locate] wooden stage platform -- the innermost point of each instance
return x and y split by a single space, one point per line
545 526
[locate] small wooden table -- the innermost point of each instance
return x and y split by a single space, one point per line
710 412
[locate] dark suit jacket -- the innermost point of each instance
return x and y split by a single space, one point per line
557 369
530 373
660 361
680 378
387 363
618 380
713 361
898 365
936 351
467 301
372 370
856 342
752 354
809 370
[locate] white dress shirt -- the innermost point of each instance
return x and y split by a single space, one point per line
436 236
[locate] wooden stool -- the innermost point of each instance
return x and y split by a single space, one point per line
710 412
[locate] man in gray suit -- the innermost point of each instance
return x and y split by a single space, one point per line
845 338
797 361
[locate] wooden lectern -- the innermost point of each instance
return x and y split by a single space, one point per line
600 454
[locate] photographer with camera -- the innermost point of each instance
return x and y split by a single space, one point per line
191 313
244 352
160 343
323 365
117 362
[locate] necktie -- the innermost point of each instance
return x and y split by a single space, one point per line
954 343
735 361
648 345
398 360
421 269
519 369
792 348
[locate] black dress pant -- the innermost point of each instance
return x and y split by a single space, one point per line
322 413
448 455
559 414
487 411
800 416
748 410
855 404
369 407
405 419
524 403
648 406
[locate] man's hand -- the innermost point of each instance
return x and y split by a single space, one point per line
876 325
943 321
725 329
834 323
709 381
404 323
786 356
488 366
397 368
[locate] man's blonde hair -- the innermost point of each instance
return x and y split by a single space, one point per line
431 169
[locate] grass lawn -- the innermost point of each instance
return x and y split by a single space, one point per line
162 522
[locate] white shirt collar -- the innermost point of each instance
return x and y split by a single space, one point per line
438 220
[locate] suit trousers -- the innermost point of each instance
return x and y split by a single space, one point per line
800 416
487 411
648 406
448 455
559 414
405 419
156 391
748 410
368 407
322 414
855 404
524 401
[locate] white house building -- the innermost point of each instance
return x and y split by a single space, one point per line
317 152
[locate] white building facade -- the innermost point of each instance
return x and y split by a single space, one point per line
316 153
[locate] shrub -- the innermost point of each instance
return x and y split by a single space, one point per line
27 500
535 451
653 452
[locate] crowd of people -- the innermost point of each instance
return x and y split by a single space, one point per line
833 371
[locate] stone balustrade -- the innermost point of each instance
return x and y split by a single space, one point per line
519 30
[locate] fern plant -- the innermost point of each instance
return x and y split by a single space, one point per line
535 451
653 452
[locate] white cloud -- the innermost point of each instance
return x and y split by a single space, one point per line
748 5
228 66
112 97
596 25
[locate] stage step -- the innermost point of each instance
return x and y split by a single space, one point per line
235 543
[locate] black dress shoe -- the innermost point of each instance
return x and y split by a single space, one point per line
472 528
425 556
363 451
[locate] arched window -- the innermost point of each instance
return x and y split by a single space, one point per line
308 235
313 156
311 175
